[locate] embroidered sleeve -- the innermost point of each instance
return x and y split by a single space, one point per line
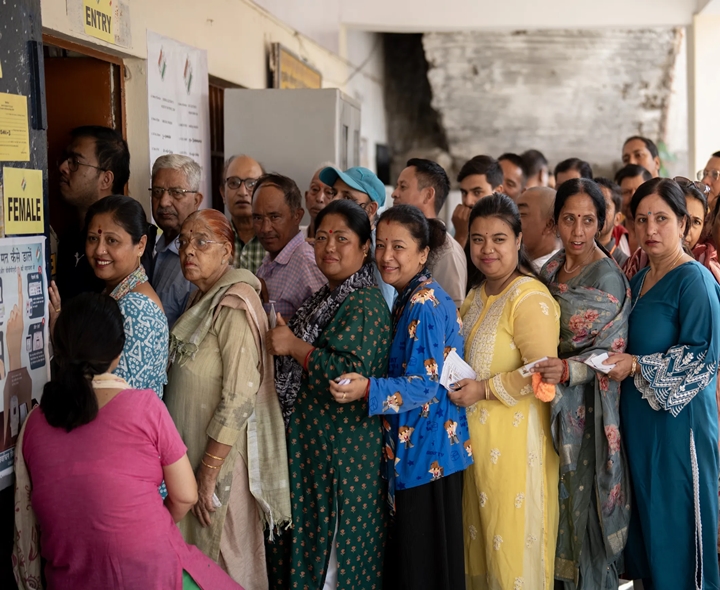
670 381
535 331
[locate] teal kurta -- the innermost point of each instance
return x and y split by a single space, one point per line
334 453
670 429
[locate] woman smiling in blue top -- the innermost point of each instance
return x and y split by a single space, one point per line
425 435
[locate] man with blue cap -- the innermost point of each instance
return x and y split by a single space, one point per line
364 188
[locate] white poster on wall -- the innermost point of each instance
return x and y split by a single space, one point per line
179 104
24 357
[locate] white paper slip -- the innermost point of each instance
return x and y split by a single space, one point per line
525 369
596 362
455 369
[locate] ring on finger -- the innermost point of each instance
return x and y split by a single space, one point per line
344 395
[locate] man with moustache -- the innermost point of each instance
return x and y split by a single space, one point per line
175 193
239 179
289 272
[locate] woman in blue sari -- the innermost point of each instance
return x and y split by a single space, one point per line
668 404
594 307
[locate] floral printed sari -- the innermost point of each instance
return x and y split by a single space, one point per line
594 484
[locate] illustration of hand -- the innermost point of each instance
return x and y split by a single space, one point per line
15 329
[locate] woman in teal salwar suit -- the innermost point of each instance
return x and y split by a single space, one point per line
668 406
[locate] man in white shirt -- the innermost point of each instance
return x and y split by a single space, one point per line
538 225
425 184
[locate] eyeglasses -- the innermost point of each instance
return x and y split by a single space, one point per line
714 174
702 187
176 193
200 244
235 182
73 162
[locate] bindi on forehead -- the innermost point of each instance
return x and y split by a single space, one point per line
99 230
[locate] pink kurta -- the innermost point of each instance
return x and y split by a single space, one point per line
95 494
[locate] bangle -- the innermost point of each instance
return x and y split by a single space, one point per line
486 389
209 466
307 359
367 391
214 457
566 372
634 366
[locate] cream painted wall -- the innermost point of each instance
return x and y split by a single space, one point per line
236 35
703 88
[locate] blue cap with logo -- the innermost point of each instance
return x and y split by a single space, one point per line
357 178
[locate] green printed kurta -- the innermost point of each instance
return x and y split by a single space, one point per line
334 452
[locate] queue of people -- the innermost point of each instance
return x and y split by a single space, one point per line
242 403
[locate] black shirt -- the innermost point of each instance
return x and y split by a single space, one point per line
74 273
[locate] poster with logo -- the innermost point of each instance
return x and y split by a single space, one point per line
24 347
179 104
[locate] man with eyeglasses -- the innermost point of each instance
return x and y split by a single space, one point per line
710 176
175 194
288 272
364 188
239 178
95 164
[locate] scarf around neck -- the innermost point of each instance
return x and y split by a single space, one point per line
314 315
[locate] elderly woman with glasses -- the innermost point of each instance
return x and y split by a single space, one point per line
221 395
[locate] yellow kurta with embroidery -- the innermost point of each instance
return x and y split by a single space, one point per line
510 496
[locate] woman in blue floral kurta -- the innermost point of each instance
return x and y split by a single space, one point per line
425 434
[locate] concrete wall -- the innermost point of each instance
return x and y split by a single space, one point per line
236 35
565 92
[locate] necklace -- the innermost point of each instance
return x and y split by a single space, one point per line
131 281
578 265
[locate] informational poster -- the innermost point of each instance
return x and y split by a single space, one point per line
179 104
24 351
14 130
23 201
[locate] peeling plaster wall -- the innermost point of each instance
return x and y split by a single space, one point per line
565 92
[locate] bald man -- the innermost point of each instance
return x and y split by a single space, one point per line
239 178
538 225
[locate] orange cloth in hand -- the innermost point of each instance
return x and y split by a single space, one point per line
545 392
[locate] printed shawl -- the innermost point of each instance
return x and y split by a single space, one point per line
267 454
307 324
593 321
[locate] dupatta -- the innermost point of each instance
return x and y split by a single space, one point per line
592 321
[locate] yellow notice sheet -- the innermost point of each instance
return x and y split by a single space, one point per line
14 132
23 201
99 16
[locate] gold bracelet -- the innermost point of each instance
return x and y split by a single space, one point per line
214 457
634 366
487 392
209 466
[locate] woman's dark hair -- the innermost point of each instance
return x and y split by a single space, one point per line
428 233
126 212
581 186
669 191
690 189
353 214
504 208
88 337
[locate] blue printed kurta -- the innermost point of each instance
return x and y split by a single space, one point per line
424 432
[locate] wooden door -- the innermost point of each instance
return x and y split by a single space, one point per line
80 91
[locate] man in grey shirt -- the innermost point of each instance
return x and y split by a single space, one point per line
175 195
425 184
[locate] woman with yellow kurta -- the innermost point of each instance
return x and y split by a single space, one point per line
510 495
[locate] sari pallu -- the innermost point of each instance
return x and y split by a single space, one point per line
585 419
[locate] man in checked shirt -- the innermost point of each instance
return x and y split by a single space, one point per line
288 271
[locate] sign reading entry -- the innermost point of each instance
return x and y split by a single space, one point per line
98 17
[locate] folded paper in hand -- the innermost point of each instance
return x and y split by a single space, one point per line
455 369
596 362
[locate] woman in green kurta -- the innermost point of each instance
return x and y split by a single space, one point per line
334 450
